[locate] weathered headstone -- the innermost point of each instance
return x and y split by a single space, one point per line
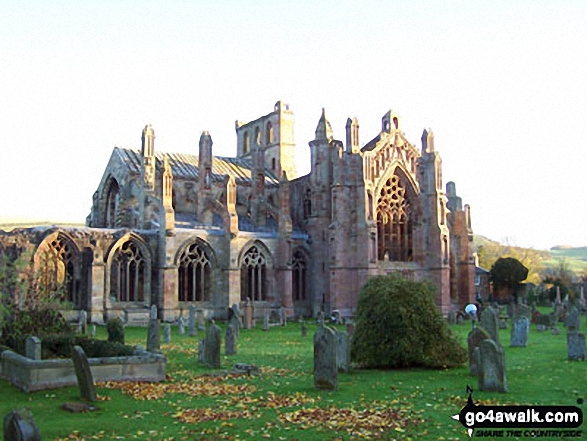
325 364
491 372
576 346
154 335
32 348
85 380
167 333
230 337
212 346
573 320
490 322
474 339
503 324
248 315
19 425
520 331
93 330
153 312
181 326
192 321
82 321
233 318
343 351
201 319
266 322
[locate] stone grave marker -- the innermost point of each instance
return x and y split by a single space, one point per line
153 312
491 372
343 351
282 317
576 346
181 326
33 348
573 320
82 321
474 339
213 345
192 321
266 322
233 319
167 333
93 330
154 335
19 425
490 322
201 319
520 331
239 315
325 364
85 380
230 337
248 315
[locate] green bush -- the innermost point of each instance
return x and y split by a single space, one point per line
398 325
115 329
60 346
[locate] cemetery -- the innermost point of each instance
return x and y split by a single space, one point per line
296 380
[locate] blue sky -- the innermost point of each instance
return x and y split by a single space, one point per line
503 86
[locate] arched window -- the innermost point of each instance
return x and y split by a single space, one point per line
57 263
246 143
272 163
112 204
194 273
128 274
254 275
257 136
269 133
307 203
394 223
298 276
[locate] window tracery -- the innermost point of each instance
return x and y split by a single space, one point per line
56 269
128 274
254 275
194 271
298 277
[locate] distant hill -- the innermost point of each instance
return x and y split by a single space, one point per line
10 224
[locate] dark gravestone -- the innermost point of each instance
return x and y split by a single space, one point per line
85 380
343 353
325 365
230 337
234 319
490 322
520 330
491 370
32 348
19 425
212 346
576 346
474 339
154 335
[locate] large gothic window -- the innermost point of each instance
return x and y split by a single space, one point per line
254 275
112 204
56 262
298 275
394 223
194 275
128 274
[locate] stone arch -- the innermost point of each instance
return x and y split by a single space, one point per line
257 273
268 133
196 262
111 198
128 271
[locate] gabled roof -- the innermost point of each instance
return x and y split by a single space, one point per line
184 165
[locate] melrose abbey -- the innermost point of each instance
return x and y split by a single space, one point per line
193 229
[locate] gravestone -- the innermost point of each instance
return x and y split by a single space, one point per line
19 425
304 329
85 380
167 333
192 321
248 369
573 320
343 351
325 364
82 321
201 319
474 339
33 348
248 314
576 346
520 330
266 322
154 335
503 324
153 312
490 322
93 330
181 326
230 337
282 317
233 318
522 310
491 372
212 346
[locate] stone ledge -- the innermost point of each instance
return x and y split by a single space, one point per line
32 375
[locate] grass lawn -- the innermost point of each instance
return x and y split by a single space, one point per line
281 403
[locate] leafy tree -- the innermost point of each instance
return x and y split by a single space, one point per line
399 325
506 275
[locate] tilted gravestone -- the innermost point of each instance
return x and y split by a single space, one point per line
181 326
343 354
325 364
85 380
19 425
192 322
154 335
230 337
32 348
520 331
167 333
490 322
491 371
212 346
474 339
576 346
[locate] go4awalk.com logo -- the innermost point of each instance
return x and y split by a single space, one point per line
491 422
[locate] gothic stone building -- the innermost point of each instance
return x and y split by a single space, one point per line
179 229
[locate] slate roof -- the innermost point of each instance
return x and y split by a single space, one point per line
184 165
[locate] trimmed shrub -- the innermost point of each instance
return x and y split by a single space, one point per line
398 325
60 346
115 329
